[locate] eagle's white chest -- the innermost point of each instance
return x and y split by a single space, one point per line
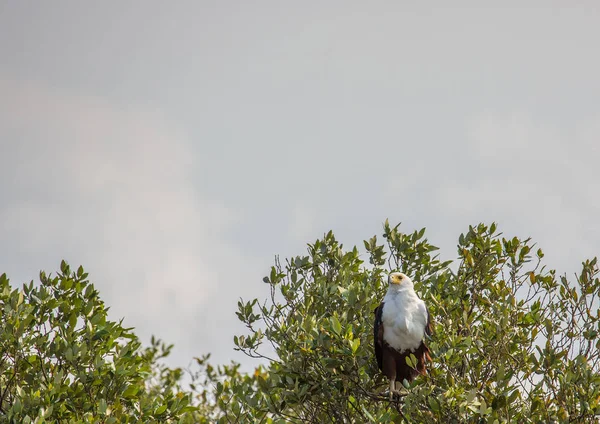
404 319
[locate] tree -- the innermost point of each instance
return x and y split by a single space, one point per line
62 360
512 342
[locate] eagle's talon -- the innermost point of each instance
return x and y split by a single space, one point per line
395 395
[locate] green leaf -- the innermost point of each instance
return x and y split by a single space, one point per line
411 361
131 391
336 326
160 410
102 405
17 405
355 344
433 404
483 407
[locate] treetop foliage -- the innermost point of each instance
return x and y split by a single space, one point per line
513 341
63 360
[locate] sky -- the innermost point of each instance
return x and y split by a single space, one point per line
174 148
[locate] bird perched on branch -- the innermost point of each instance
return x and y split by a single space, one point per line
401 323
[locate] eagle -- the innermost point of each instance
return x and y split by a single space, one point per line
401 323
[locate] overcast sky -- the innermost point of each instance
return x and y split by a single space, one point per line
173 148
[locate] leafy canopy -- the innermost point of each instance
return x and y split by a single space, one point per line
62 360
513 342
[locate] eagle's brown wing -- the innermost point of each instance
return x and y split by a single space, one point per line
428 327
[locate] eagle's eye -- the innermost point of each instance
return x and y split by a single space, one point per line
399 277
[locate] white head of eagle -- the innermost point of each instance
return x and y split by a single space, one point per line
401 323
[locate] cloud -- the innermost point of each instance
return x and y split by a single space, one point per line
536 178
111 187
